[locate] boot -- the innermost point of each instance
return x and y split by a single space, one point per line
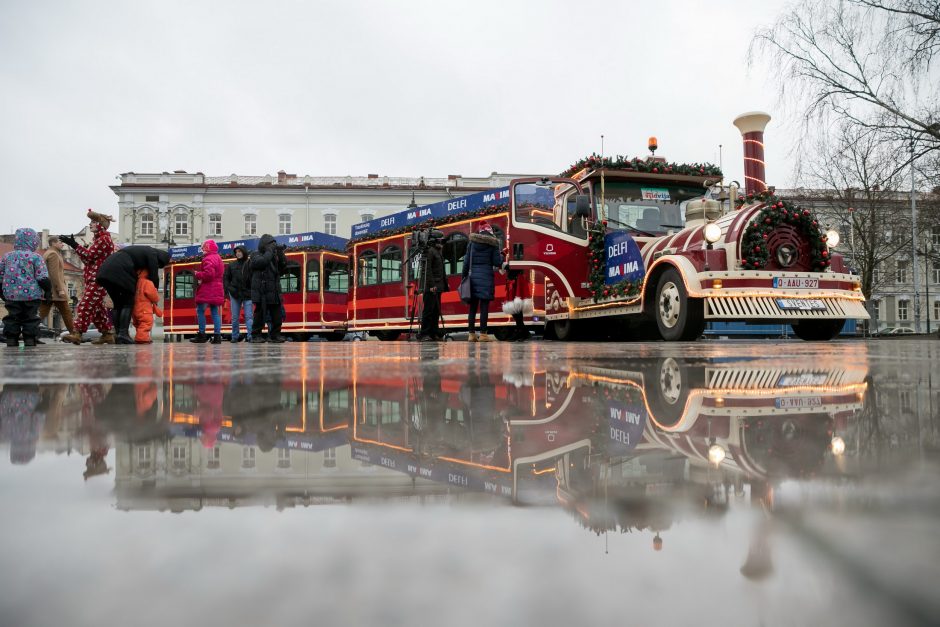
123 319
472 337
29 341
13 342
485 337
74 337
106 338
201 338
217 339
276 339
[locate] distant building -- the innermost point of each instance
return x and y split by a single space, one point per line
181 208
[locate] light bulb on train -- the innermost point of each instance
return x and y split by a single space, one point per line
832 238
712 233
838 445
716 454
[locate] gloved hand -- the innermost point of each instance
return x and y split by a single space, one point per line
68 239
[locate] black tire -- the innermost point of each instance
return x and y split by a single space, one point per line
564 330
678 317
336 336
817 330
388 336
504 334
301 337
667 387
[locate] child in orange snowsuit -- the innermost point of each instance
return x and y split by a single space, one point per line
145 306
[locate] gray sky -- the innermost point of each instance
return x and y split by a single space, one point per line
407 88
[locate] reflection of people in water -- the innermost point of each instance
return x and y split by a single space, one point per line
21 420
93 394
209 398
253 414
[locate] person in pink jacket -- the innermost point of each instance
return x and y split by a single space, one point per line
209 293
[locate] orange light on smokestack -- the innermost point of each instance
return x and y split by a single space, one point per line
752 127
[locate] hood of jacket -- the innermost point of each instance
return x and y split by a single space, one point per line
265 241
244 253
26 239
484 239
209 246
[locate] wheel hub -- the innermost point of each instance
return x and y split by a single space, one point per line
669 305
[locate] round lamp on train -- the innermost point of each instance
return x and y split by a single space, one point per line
653 145
837 445
832 238
716 454
712 233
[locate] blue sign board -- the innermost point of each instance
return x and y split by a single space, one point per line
313 238
626 423
409 217
624 261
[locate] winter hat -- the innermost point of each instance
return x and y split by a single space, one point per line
485 227
101 218
210 247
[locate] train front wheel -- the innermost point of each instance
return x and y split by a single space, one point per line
678 317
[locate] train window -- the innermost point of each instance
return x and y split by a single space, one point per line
185 285
391 264
290 282
337 277
368 268
313 277
454 251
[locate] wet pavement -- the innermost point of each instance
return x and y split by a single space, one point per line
772 483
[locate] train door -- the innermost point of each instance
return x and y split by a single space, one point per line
292 292
332 286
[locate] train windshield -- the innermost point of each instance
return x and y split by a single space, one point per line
650 208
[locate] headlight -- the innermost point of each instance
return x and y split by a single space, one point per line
832 238
837 445
716 454
712 233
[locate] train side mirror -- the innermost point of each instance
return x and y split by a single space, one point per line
582 206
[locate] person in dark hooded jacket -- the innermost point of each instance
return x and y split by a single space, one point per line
267 264
483 259
237 282
118 275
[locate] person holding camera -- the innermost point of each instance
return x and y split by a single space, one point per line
435 283
267 264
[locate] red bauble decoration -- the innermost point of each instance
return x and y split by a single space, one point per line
824 254
655 171
757 249
756 264
764 236
766 220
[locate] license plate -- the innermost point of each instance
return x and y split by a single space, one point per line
799 403
796 283
801 304
802 378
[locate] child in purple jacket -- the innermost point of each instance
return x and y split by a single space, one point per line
24 280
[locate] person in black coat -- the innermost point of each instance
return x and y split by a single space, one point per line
267 264
435 284
481 261
118 276
237 282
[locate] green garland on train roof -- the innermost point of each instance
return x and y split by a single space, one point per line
597 264
755 251
646 166
430 223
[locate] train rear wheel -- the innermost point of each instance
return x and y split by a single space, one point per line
504 334
564 330
817 330
336 336
388 336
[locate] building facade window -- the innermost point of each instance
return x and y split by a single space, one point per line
283 458
144 456
152 198
284 224
329 458
936 272
935 236
215 457
179 456
936 310
367 217
251 224
248 457
903 309
329 223
181 223
215 225
73 292
148 224
902 271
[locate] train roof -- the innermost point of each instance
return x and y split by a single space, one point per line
313 239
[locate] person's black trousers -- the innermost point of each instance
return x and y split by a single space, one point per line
262 311
431 314
22 317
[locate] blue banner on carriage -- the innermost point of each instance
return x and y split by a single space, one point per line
624 261
452 206
296 240
626 423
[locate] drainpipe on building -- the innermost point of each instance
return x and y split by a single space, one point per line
307 207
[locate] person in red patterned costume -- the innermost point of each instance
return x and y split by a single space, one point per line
91 307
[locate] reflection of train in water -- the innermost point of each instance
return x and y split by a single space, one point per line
534 434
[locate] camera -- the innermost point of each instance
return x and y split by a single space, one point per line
421 238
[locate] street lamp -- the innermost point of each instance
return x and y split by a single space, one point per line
914 243
412 204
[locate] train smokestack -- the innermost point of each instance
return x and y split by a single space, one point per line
752 127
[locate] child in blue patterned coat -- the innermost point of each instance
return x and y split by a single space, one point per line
24 280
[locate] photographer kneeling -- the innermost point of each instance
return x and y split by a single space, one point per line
435 283
267 264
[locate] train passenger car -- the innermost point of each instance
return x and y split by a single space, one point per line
385 295
313 289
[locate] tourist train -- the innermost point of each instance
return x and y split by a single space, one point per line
657 249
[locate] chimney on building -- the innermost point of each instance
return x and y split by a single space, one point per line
752 127
281 177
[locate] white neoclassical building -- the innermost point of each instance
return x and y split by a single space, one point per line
182 208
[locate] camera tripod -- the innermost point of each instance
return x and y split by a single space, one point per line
418 287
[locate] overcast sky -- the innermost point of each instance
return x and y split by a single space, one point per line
407 88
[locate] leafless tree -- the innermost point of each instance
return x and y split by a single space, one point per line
870 63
